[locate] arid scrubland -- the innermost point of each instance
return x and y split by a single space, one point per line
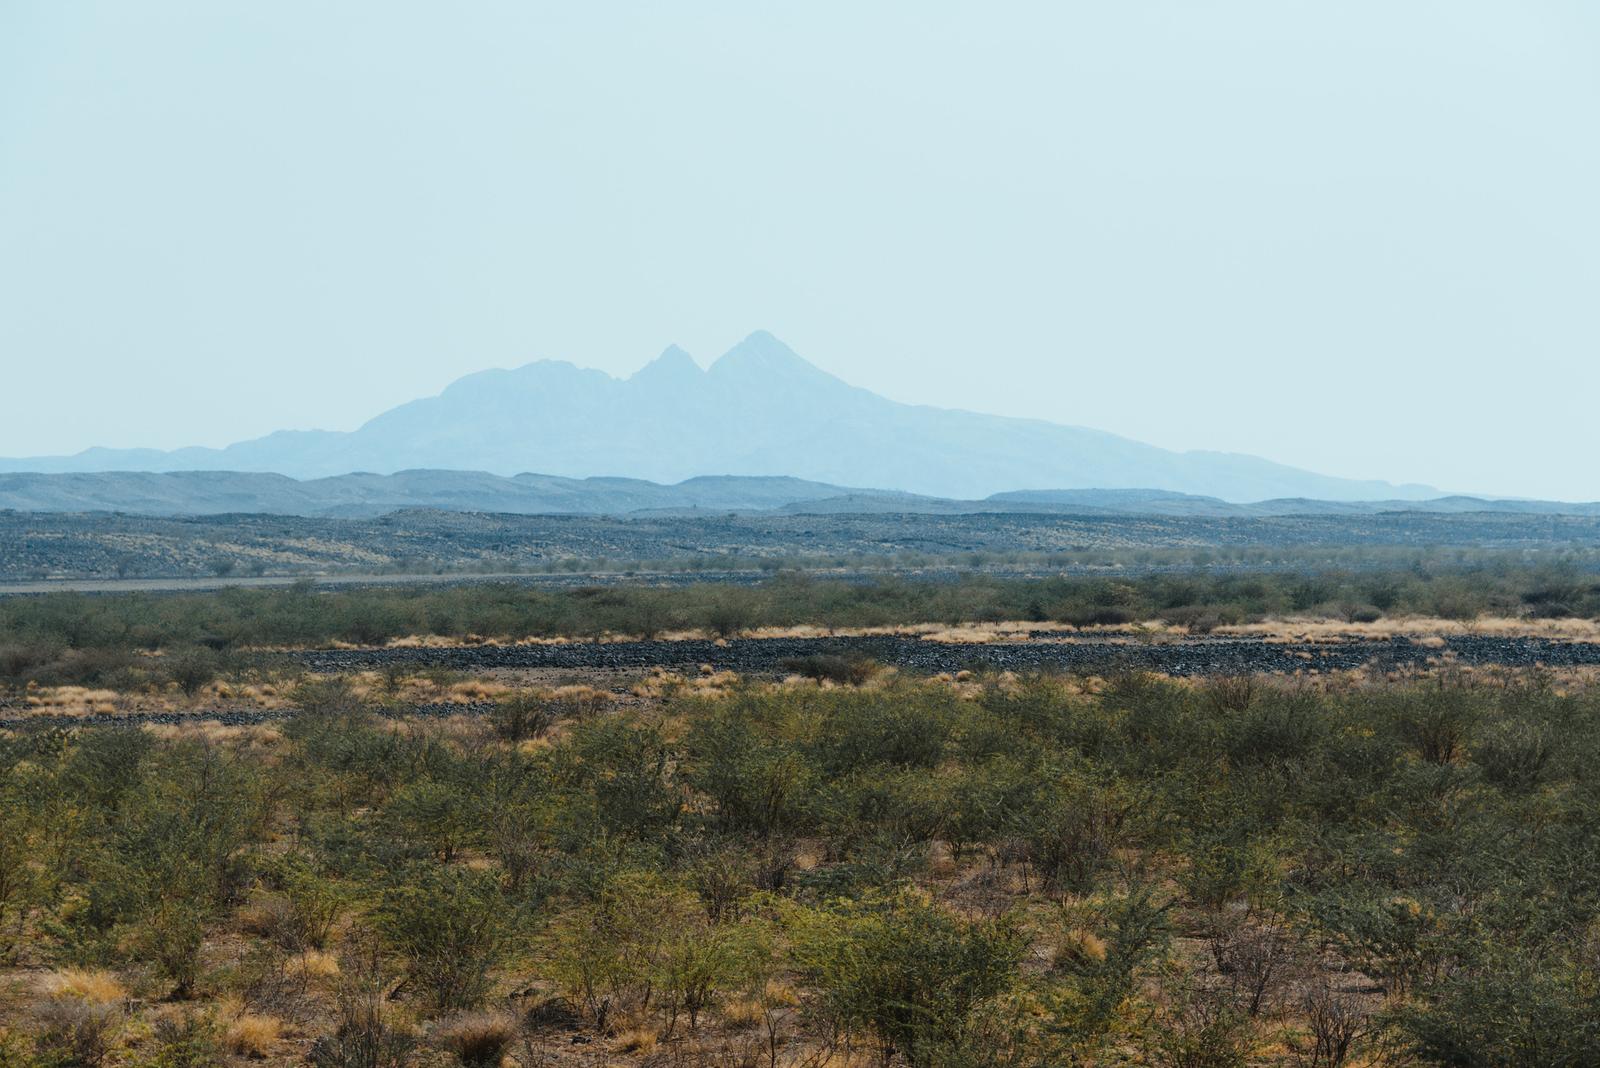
120 547
878 870
104 640
840 862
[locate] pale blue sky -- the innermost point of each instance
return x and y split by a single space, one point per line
1362 237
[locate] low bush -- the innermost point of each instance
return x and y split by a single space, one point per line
909 972
449 926
75 1033
845 670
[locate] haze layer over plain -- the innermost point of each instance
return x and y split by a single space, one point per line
1356 238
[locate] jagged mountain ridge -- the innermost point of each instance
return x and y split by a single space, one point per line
760 410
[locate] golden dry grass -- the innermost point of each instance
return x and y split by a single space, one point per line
477 1039
258 916
778 992
313 964
434 641
254 694
742 1012
1297 628
664 684
245 1033
252 1035
94 985
71 701
639 1040
477 690
660 683
259 738
1293 628
1081 945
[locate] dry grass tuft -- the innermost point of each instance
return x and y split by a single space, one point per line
251 1034
260 916
479 1040
641 1040
72 701
778 992
313 964
1080 946
96 986
660 683
742 1012
1300 629
477 690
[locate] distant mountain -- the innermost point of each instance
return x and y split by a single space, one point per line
365 495
1162 502
760 410
219 492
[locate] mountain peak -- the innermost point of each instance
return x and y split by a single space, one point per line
672 363
762 352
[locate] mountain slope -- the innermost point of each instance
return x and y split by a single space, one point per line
760 410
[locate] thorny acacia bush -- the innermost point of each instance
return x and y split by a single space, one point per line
1008 871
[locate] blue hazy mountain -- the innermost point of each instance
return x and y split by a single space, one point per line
760 410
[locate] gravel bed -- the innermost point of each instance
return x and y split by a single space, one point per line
766 656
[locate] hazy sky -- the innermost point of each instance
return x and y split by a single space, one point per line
1362 237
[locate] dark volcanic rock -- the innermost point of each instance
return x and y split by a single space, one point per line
765 656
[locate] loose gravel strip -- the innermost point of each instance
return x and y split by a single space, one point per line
1189 657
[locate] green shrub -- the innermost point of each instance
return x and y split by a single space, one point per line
21 877
77 1034
639 935
521 716
439 816
1514 756
1101 950
903 969
756 779
1077 820
185 1040
170 937
1437 722
450 926
191 669
1520 1012
363 1035
1203 1031
846 670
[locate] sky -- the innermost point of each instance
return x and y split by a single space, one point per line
1362 238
